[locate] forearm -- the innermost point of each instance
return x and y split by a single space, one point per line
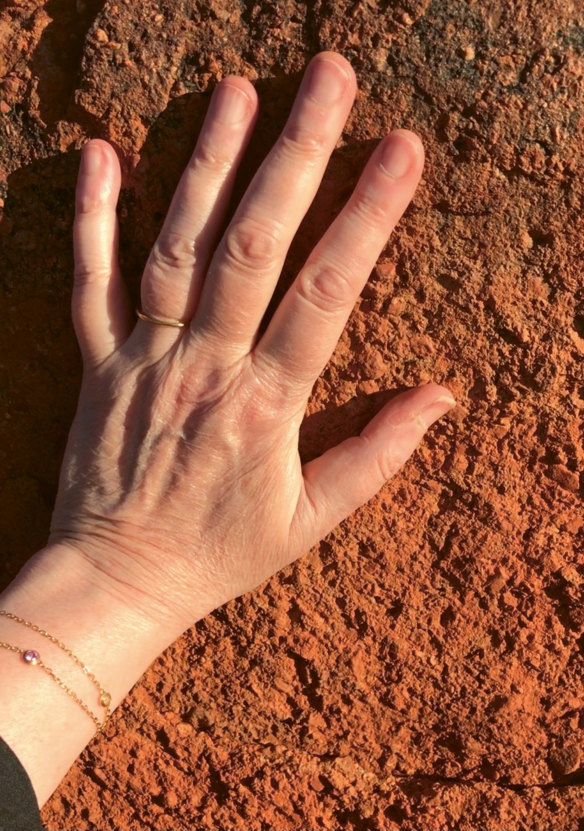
117 640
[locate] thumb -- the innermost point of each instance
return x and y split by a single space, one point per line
100 306
348 475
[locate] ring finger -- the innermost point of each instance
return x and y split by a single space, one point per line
173 276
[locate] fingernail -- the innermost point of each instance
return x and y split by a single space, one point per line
397 156
439 407
91 159
326 82
230 105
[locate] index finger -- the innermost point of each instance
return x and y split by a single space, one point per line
306 326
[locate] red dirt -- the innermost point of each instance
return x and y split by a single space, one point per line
423 666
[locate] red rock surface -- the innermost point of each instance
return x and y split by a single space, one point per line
423 667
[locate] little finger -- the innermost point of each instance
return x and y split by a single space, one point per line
100 304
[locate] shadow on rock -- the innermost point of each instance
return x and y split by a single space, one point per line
57 58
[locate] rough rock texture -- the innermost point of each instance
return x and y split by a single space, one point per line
423 667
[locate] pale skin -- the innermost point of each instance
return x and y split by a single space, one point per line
181 486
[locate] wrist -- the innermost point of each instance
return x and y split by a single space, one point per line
170 592
60 577
63 594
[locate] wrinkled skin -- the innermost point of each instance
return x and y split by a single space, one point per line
182 483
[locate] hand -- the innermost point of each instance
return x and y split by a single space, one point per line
181 482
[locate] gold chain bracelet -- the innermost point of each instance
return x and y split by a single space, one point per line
32 657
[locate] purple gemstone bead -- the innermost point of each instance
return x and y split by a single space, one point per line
31 656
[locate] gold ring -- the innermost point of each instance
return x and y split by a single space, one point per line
161 321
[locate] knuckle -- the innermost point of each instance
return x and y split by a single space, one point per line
298 142
85 274
173 250
388 465
328 288
86 205
250 244
392 458
277 388
369 208
208 157
192 388
274 401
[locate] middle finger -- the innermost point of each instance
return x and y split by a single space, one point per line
248 261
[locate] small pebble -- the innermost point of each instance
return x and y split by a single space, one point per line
171 799
566 759
316 783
